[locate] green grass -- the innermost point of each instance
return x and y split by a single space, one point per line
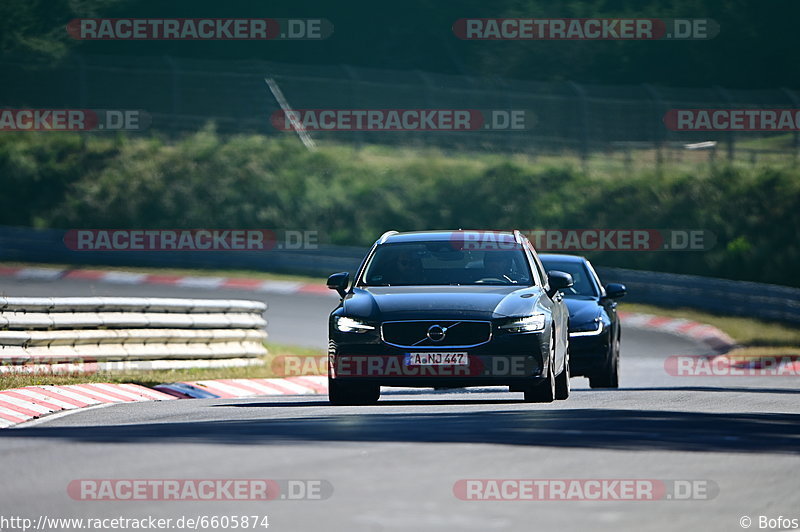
755 353
747 332
152 378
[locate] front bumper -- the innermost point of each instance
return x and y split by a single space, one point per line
588 354
508 359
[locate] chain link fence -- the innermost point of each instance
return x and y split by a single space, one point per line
613 122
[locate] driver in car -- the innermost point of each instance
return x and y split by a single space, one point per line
497 265
408 268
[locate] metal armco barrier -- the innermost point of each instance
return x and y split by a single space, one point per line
23 244
61 330
735 298
719 296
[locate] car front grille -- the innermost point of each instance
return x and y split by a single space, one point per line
457 333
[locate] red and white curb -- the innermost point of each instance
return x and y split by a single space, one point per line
231 388
707 334
134 278
714 338
24 404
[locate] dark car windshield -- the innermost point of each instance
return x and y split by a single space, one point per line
442 263
584 285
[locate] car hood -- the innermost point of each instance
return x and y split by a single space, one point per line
582 309
441 302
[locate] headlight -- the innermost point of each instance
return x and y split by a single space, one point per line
526 324
345 324
591 329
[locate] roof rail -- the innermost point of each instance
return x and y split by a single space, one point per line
518 238
386 235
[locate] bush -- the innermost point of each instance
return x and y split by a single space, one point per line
351 197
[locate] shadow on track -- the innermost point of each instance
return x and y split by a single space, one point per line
701 389
636 430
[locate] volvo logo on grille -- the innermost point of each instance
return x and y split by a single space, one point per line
437 333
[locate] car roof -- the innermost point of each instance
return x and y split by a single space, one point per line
562 258
438 236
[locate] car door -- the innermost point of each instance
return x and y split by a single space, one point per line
609 305
560 310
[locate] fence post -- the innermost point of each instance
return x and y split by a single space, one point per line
725 95
82 87
355 96
175 73
795 134
584 111
659 107
429 85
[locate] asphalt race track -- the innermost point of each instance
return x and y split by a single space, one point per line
393 466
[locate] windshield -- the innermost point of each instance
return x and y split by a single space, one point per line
584 285
440 263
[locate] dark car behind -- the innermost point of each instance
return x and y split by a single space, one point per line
594 328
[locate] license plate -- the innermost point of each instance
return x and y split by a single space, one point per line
437 359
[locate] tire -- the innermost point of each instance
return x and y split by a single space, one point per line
544 392
562 380
608 377
340 393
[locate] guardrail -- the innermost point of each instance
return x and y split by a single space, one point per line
79 330
720 296
23 244
736 298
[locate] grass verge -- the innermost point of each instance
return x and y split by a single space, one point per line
763 353
151 378
747 332
757 339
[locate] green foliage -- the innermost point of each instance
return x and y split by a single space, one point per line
749 52
351 196
36 29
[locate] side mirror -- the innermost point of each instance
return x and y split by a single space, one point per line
615 290
339 282
559 280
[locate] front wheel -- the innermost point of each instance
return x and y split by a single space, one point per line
608 377
544 392
340 393
562 381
